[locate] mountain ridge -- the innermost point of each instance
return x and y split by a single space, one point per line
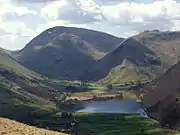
136 53
164 43
59 48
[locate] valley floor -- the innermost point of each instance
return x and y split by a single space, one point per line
108 124
87 123
38 115
83 96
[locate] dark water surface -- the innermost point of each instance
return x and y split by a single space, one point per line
113 106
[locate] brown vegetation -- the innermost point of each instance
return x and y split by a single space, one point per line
10 127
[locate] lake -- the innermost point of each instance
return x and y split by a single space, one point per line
113 106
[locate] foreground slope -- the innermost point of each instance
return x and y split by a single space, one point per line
10 127
162 97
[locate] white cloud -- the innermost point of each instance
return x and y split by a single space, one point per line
112 16
13 42
76 11
137 16
152 14
8 7
42 27
14 35
16 28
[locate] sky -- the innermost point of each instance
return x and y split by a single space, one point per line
22 20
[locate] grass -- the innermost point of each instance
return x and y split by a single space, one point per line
16 107
127 72
123 73
33 113
39 115
12 66
109 124
130 94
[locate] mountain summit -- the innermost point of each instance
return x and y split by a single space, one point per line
67 52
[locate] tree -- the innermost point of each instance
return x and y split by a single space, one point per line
65 105
85 78
109 86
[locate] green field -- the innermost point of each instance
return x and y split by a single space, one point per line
32 113
108 124
18 108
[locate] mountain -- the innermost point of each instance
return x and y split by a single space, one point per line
21 80
79 54
164 43
69 53
100 41
24 94
65 57
162 96
131 60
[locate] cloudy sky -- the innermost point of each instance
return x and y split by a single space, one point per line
21 20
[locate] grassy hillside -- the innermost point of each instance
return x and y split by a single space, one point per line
79 54
164 43
25 82
39 115
19 107
69 53
125 73
130 61
9 64
65 57
24 95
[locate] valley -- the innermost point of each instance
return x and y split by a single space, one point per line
103 80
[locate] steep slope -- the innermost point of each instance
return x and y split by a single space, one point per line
100 41
23 93
130 59
164 43
23 81
67 52
162 97
80 54
125 73
65 57
10 127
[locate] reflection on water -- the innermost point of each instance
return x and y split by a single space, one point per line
113 106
